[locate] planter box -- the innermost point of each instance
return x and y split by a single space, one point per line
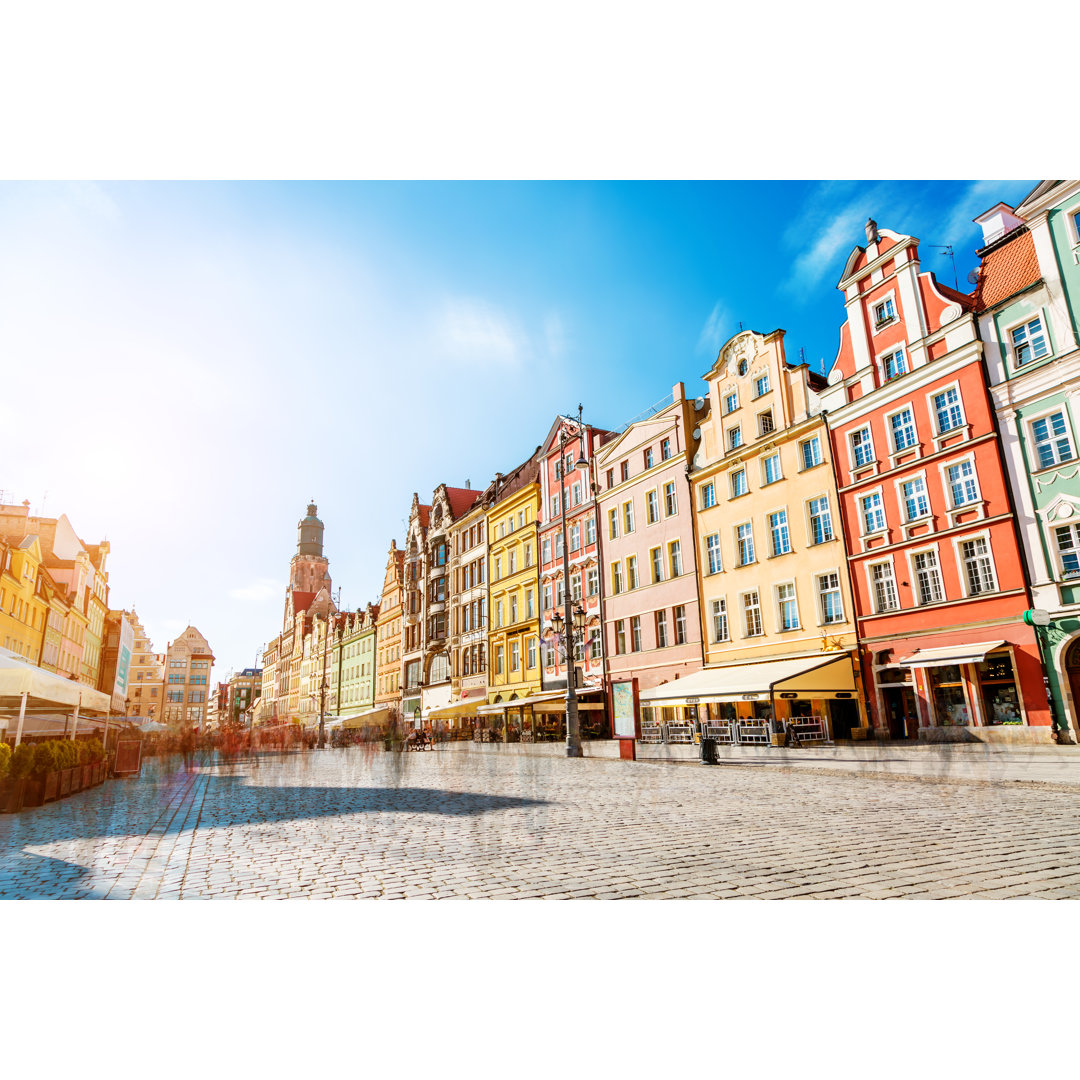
87 775
34 792
52 786
98 773
12 793
76 779
65 782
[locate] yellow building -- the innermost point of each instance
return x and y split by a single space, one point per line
778 622
23 597
388 635
514 663
146 674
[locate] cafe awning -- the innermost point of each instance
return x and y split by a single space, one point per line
805 676
461 708
369 718
44 688
942 655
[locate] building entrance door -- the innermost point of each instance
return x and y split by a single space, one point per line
1072 673
901 712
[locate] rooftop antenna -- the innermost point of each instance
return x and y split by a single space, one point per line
740 326
948 250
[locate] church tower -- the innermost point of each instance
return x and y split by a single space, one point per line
309 570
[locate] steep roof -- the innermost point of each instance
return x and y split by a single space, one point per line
1007 267
461 500
301 600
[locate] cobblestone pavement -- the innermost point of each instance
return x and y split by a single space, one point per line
340 823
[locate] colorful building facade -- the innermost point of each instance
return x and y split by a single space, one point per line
935 564
651 614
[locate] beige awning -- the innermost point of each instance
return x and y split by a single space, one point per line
44 688
817 676
460 708
942 655
369 718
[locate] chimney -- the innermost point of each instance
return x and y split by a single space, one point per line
468 485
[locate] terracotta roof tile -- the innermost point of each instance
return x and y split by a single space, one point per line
462 500
1007 268
301 601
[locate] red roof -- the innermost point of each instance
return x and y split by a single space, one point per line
425 513
301 601
1007 269
462 500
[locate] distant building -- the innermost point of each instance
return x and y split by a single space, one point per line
146 675
189 661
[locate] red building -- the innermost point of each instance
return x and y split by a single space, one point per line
936 569
570 489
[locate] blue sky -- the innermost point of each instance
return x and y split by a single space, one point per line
189 363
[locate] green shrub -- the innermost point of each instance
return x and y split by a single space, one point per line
94 750
69 754
46 758
5 759
22 761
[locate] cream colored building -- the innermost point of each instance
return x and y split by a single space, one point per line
778 623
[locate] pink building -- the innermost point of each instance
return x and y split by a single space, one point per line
566 487
652 626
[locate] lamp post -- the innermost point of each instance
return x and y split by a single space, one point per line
573 733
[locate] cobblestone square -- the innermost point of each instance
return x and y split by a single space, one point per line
445 824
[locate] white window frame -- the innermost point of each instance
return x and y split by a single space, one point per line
761 432
758 392
731 483
871 587
961 563
932 410
710 487
811 541
947 487
889 320
901 498
727 398
863 531
1072 216
775 456
734 438
1073 529
785 528
912 448
852 457
820 596
674 499
910 555
753 547
803 467
1031 421
1010 347
746 609
891 351
709 555
714 614
793 599
649 519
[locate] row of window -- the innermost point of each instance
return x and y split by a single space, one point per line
961 485
621 519
830 608
665 633
819 530
553 595
573 538
731 397
975 558
771 471
648 458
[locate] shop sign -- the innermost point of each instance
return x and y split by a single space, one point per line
751 697
789 695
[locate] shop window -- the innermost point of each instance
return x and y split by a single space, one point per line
947 692
997 685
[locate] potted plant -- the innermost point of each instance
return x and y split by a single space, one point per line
19 769
86 766
47 765
5 778
95 753
64 755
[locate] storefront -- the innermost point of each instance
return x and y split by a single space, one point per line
740 702
944 691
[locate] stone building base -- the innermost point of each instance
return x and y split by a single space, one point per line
1006 734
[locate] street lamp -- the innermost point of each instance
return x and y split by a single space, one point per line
573 733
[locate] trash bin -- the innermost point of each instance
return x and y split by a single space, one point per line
708 751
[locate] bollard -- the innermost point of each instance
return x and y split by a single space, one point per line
708 751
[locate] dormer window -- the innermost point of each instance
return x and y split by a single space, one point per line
884 313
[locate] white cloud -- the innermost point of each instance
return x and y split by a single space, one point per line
257 591
477 332
715 331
